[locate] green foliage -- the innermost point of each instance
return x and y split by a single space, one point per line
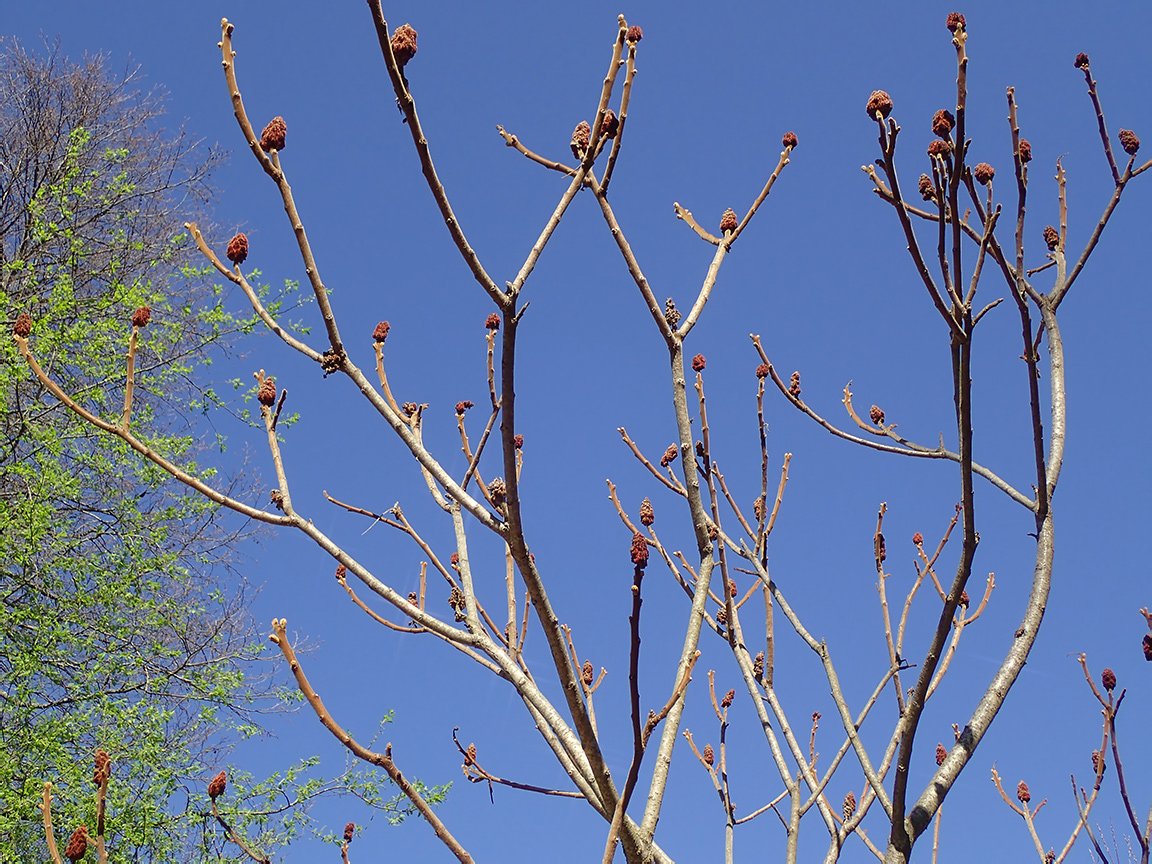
119 628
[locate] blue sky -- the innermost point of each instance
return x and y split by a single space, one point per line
821 274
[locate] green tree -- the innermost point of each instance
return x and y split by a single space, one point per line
120 624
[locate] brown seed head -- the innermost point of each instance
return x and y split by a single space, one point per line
758 665
758 508
917 538
728 221
23 325
404 44
77 844
266 395
1025 151
587 673
965 600
1022 792
413 598
941 754
349 830
790 140
849 807
218 785
277 499
942 123
610 125
272 138
794 385
103 767
497 490
1108 678
237 249
983 173
927 189
1081 61
956 20
1129 141
722 616
671 313
492 322
713 531
647 514
1049 857
939 147
698 363
639 550
409 408
879 101
728 699
456 598
141 317
470 755
668 456
709 756
732 591
1099 764
634 35
461 407
381 331
1051 237
581 135
518 442
877 415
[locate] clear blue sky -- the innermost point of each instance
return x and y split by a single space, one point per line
821 274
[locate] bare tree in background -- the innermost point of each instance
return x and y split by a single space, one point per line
958 216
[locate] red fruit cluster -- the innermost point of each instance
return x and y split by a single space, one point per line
518 441
1025 151
492 322
698 363
983 173
942 123
103 768
272 138
669 455
647 514
709 755
1051 237
879 101
581 135
728 699
404 44
918 538
23 325
762 370
237 248
794 385
1081 61
77 844
587 673
877 415
940 148
218 785
1022 792
610 125
728 221
927 189
634 35
141 317
941 754
790 139
1129 141
266 395
639 550
849 805
349 830
381 331
461 407
1108 679
956 20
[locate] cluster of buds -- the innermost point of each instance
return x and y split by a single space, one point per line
272 138
581 135
668 456
709 755
237 249
671 313
728 221
941 754
1022 793
849 807
942 123
647 514
983 173
877 415
218 785
794 386
404 44
266 395
492 322
698 363
879 102
587 673
497 489
23 325
790 140
639 550
381 332
927 189
1129 141
1051 237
